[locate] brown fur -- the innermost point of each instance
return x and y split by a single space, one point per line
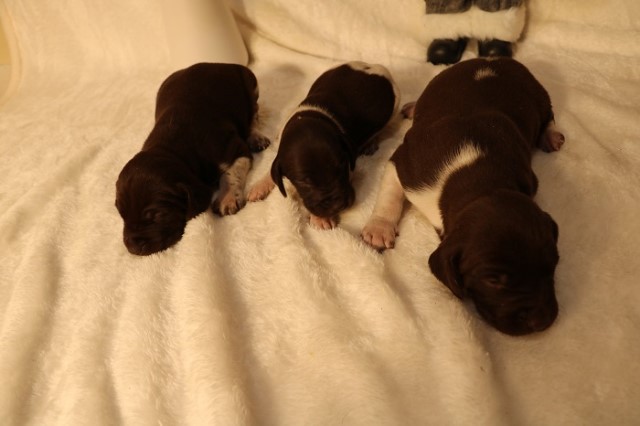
498 247
316 154
203 120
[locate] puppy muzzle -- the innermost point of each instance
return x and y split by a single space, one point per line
521 321
331 206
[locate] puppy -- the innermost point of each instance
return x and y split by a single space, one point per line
465 164
345 107
202 139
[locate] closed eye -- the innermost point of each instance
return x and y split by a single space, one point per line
150 215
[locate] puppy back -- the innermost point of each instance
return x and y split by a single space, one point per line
361 101
209 92
487 86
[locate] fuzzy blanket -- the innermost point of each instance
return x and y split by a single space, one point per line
260 319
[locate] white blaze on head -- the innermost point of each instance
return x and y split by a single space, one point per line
375 69
484 73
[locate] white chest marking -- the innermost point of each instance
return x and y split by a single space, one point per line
427 199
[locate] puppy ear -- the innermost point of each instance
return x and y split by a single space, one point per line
444 263
276 175
197 196
352 155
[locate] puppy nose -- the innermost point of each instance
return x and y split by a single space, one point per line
541 319
538 323
134 244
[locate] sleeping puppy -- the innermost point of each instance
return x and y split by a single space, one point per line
345 107
202 139
465 164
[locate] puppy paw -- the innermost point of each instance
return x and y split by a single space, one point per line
380 233
322 222
408 110
261 189
229 203
551 140
257 141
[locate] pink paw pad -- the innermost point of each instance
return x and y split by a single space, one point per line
552 140
408 110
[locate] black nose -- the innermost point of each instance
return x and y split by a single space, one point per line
539 324
135 245
541 318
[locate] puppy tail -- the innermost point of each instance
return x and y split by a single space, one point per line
276 175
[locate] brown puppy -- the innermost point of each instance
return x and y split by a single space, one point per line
466 165
345 107
202 138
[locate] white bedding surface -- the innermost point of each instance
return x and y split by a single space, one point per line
258 318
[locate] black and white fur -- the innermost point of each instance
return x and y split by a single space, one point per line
465 164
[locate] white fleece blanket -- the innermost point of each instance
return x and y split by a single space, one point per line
258 318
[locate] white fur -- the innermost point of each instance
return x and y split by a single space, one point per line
319 109
484 73
261 189
426 200
475 23
324 223
231 194
382 226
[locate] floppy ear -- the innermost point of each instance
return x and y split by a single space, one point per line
276 175
444 263
197 196
352 154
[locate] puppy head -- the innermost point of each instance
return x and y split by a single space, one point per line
320 176
503 256
155 198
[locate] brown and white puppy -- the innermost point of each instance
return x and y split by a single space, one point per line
466 165
345 107
202 139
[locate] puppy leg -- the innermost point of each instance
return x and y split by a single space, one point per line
256 140
261 189
408 110
371 146
382 228
322 222
230 199
551 140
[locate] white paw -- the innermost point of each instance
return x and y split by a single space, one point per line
380 233
322 222
228 203
261 189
